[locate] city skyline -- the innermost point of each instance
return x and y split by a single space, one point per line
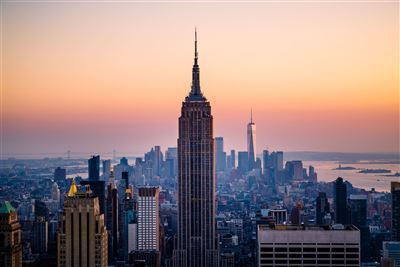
303 96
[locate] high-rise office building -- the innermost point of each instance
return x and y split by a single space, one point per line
395 190
243 161
232 161
157 161
147 250
358 217
196 235
106 169
358 210
94 168
129 233
10 236
60 174
148 219
82 235
294 169
171 157
322 208
279 160
40 236
251 142
312 175
220 154
55 192
340 201
299 245
41 209
112 220
265 162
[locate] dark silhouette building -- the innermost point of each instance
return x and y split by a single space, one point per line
40 236
112 220
358 210
196 236
60 174
358 217
322 208
94 168
340 198
98 189
395 190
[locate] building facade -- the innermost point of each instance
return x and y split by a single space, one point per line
290 245
82 235
10 236
196 234
395 190
148 219
340 201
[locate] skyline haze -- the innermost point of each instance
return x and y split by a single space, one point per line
97 77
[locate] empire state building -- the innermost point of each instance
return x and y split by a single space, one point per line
196 236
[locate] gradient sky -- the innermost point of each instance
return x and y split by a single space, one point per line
93 77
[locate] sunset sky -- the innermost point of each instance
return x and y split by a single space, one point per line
93 77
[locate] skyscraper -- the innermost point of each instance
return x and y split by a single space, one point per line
220 154
10 236
82 236
55 192
358 210
148 219
106 169
94 168
233 159
196 235
129 233
60 174
266 162
340 198
112 219
322 208
395 190
358 217
243 161
251 142
40 235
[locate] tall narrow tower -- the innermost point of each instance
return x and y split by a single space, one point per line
10 236
251 142
196 242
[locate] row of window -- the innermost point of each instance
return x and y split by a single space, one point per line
271 255
309 249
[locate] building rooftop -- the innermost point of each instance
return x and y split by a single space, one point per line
291 227
6 207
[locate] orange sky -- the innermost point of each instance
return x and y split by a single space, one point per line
100 76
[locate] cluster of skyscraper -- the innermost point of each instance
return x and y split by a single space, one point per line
105 220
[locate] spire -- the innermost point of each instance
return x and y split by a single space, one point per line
196 56
72 189
195 93
251 115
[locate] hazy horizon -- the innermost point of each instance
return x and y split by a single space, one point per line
95 77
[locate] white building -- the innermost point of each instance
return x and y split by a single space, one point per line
148 219
292 245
